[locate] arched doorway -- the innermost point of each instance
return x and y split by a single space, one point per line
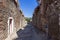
10 25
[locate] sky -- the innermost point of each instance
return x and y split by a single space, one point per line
27 7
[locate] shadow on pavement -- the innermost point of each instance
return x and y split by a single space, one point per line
31 33
25 33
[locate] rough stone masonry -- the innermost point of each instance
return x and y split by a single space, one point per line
10 18
48 17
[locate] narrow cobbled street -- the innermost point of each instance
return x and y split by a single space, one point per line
29 19
31 33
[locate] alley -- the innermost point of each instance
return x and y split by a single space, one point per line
31 33
41 23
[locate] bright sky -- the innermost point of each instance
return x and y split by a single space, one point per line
27 6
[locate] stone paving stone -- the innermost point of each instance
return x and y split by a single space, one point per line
31 33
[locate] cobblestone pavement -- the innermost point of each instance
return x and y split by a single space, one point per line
31 33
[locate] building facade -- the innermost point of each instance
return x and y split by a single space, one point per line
9 18
47 17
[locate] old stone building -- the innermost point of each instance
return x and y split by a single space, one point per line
39 16
48 17
22 20
35 16
10 18
53 19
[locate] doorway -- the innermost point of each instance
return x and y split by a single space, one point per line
10 25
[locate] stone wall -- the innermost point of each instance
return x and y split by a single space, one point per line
47 17
53 19
22 20
3 23
9 8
